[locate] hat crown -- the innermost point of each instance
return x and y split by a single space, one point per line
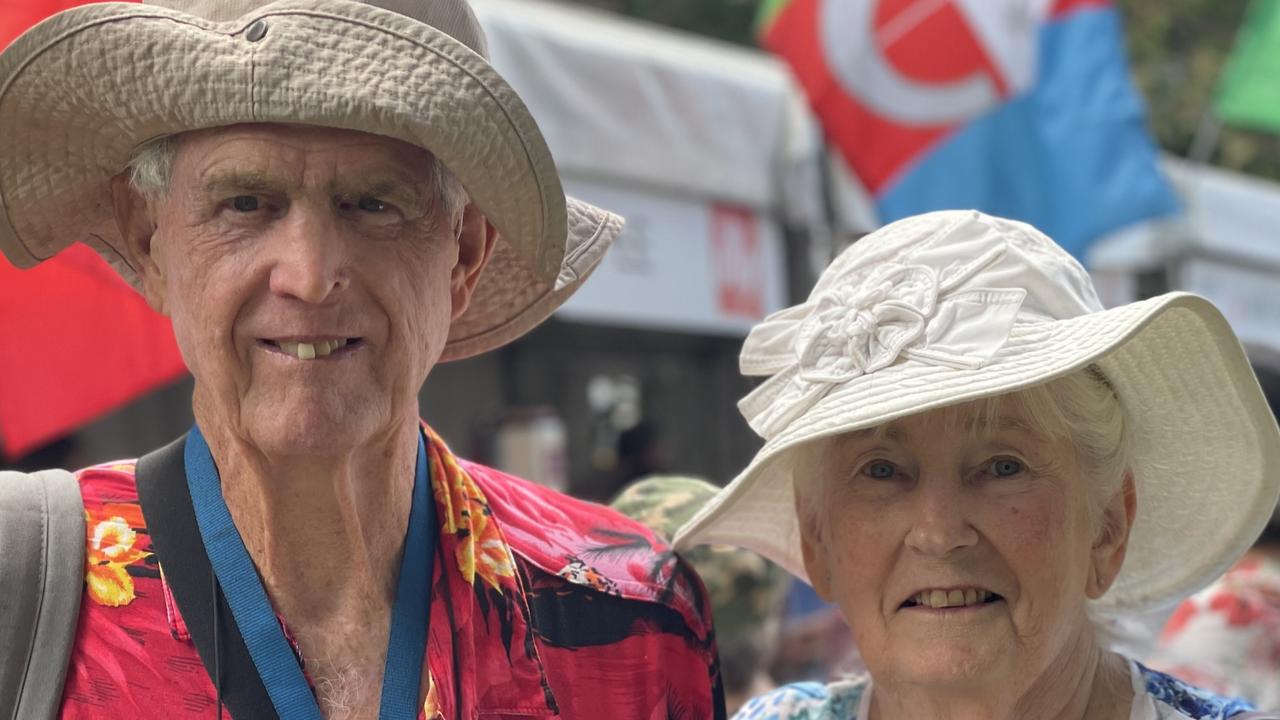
452 17
946 289
1018 257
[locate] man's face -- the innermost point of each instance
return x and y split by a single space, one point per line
311 278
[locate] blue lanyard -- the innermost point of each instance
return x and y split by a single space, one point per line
272 655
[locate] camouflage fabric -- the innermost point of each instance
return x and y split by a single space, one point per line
747 592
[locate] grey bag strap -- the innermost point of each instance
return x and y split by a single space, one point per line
42 562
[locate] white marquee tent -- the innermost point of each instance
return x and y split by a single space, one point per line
707 148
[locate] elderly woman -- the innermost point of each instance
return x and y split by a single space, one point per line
983 469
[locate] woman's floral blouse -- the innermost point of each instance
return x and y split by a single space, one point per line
1156 697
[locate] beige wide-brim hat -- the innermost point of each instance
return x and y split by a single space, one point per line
81 90
950 307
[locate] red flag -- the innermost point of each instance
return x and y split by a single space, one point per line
78 342
18 15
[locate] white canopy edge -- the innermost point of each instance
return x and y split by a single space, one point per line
636 104
1226 246
1229 216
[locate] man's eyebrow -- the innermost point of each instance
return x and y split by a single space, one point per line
401 186
383 185
238 180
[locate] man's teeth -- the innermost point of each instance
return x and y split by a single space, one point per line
311 351
952 598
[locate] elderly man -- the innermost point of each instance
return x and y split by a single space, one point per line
327 198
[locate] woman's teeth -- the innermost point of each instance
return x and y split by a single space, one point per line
311 351
952 598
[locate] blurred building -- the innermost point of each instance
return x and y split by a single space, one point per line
1224 247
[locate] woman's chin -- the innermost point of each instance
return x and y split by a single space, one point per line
947 662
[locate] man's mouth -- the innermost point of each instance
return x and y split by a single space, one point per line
951 598
318 348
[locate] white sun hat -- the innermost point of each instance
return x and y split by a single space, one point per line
80 91
949 307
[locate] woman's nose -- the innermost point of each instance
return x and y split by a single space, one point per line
941 523
311 257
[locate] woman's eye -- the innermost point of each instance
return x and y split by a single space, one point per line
1005 467
372 205
245 203
880 470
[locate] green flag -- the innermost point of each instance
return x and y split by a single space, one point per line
1250 91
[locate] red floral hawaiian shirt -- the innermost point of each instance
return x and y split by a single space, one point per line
551 607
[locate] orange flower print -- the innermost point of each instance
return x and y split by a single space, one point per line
110 549
481 550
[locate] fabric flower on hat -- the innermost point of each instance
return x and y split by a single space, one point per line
856 330
866 320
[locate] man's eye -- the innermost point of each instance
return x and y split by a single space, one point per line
1005 467
880 470
245 203
372 205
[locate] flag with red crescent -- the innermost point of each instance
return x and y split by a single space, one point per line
1021 108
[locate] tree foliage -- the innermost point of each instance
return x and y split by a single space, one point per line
1177 50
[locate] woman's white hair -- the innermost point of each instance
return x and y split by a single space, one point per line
151 175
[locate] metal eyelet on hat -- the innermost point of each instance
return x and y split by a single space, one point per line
256 31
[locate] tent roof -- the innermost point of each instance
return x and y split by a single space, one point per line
630 102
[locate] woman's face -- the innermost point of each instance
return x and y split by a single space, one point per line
959 548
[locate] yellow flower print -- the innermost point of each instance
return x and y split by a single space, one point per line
481 549
110 549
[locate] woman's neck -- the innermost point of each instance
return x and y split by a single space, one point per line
1085 683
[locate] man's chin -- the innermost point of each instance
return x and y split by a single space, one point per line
312 430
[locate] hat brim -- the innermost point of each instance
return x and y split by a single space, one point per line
80 91
1207 449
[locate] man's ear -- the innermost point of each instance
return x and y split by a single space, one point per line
476 240
137 226
1112 541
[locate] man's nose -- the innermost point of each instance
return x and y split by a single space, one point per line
941 522
311 256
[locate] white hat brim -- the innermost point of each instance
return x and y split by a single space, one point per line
1206 446
80 91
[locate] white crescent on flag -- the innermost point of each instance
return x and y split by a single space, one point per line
856 48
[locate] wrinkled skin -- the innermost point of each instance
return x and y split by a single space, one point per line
927 505
274 232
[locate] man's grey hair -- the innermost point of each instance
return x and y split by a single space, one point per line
151 175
